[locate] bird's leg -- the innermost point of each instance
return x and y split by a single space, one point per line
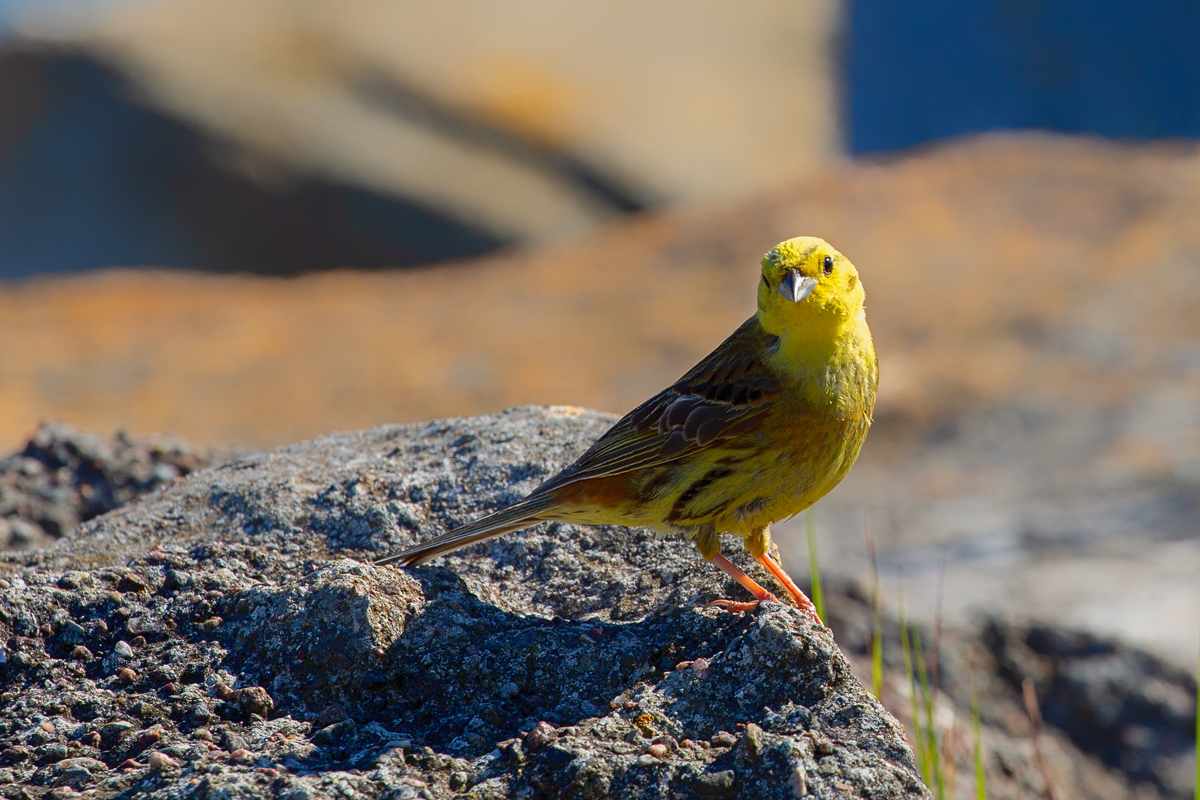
794 590
730 569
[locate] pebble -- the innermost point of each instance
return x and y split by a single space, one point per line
158 760
799 782
126 676
148 737
81 653
241 756
659 750
542 734
255 700
752 743
123 650
723 739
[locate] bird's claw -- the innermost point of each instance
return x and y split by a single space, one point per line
734 606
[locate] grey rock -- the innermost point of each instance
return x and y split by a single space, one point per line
587 623
64 476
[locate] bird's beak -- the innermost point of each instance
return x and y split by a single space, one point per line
796 287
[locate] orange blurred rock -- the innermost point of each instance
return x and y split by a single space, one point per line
995 268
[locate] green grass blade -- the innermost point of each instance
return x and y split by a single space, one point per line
980 778
877 613
918 736
936 774
814 566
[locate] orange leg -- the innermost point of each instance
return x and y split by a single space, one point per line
794 590
760 594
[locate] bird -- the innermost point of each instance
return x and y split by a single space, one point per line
757 432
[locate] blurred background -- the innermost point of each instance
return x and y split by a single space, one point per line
252 223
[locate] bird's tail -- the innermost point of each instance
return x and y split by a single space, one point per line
506 520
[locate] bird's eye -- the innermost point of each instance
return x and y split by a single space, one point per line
828 264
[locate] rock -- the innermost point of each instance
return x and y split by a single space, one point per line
587 623
64 476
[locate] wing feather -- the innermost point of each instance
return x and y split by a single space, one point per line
724 396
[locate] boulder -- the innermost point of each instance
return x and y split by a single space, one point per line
227 635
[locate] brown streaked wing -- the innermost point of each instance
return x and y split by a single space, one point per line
725 395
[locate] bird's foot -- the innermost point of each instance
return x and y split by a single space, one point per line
734 606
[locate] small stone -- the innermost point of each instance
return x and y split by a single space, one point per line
123 650
158 760
126 676
824 747
113 731
752 743
147 738
91 739
137 642
74 776
72 632
211 624
81 653
232 740
509 689
723 739
52 754
4 584
542 734
700 666
15 754
799 781
129 763
74 580
330 715
715 784
255 700
659 750
667 741
558 757
203 734
458 780
132 583
241 756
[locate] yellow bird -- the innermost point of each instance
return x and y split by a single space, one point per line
757 432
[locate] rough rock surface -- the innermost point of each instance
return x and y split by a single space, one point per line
65 476
212 639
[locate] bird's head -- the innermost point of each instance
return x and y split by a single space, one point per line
805 284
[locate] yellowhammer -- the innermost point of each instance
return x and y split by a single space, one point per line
758 431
